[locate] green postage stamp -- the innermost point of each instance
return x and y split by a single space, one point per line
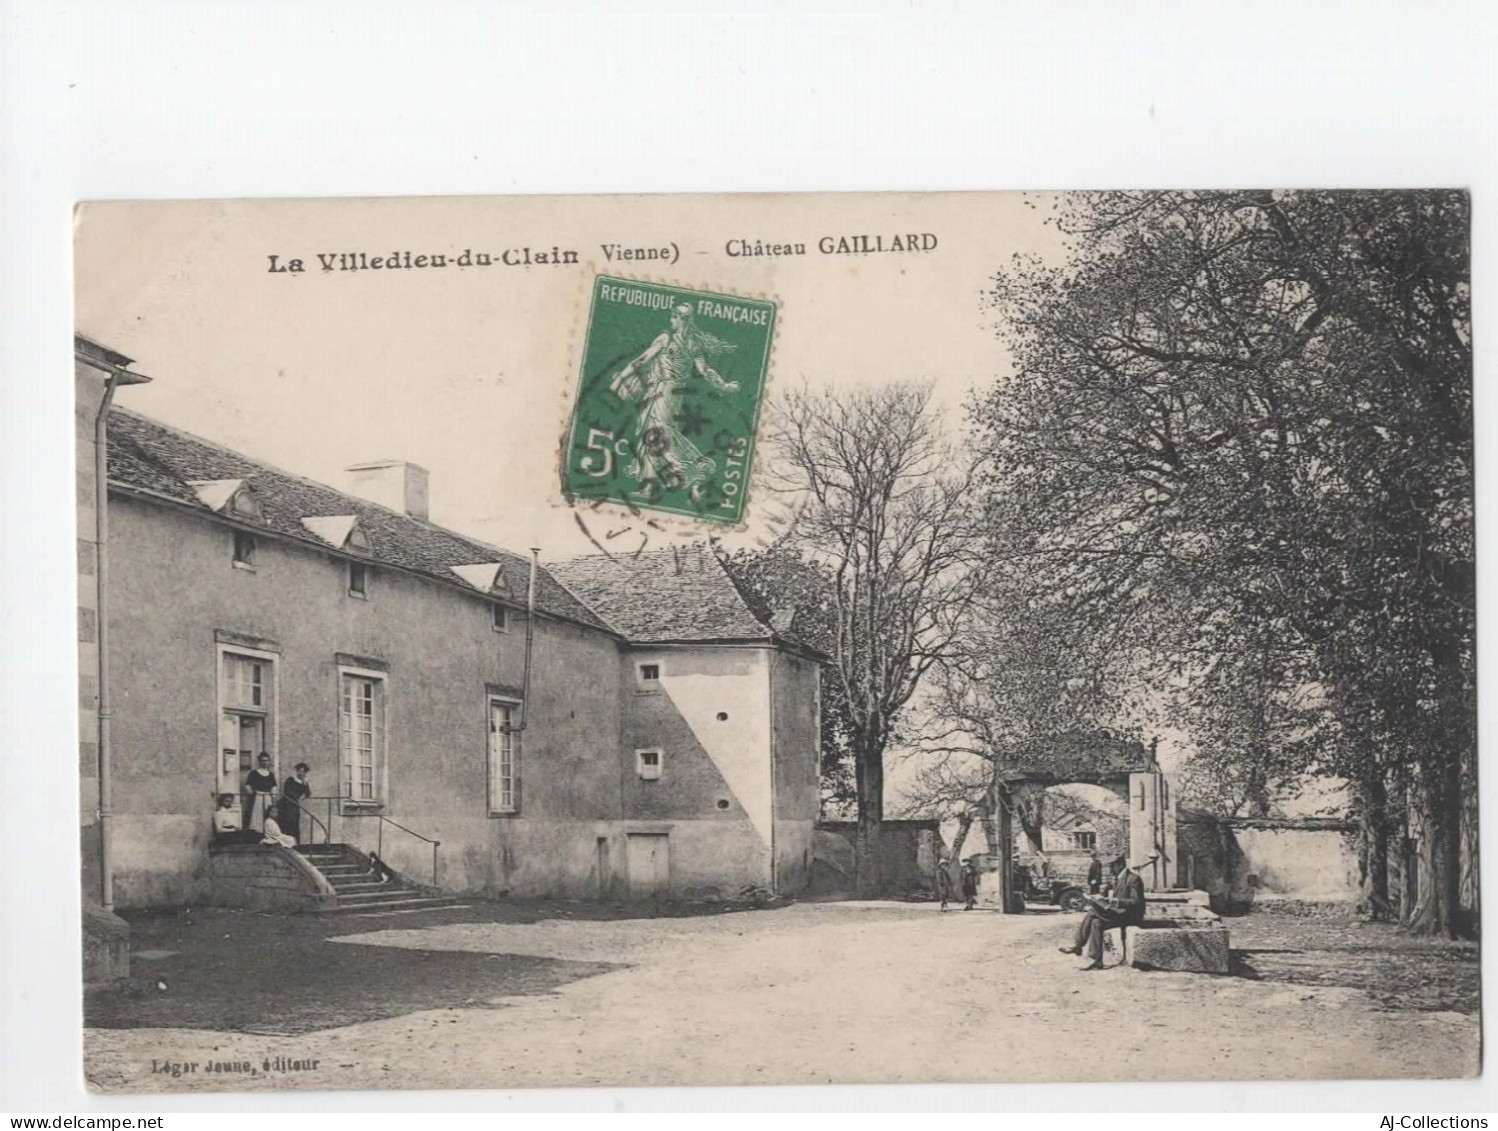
668 399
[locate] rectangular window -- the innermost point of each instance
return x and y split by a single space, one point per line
358 579
244 549
244 681
648 764
504 756
361 737
648 677
1085 840
500 618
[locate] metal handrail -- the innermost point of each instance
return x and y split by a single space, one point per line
380 836
327 833
358 812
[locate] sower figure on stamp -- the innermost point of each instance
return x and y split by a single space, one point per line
659 378
1125 909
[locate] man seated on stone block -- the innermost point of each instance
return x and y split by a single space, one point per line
1125 909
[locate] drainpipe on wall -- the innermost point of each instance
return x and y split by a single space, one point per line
117 377
530 634
101 637
774 751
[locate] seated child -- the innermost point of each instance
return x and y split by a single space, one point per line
273 833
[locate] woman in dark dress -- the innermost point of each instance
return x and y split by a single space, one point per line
259 792
295 791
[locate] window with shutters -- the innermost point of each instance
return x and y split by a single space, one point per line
504 756
361 736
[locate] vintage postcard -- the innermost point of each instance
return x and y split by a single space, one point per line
721 640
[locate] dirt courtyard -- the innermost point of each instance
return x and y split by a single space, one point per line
804 994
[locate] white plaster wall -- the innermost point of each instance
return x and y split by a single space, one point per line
703 682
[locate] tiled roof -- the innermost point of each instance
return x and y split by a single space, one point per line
675 595
147 455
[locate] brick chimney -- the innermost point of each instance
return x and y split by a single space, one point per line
392 483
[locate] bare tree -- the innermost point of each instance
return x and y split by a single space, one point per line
882 501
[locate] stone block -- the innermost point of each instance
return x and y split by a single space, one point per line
1186 912
1113 947
106 945
988 891
1196 950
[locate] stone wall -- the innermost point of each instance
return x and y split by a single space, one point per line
907 857
265 878
1243 862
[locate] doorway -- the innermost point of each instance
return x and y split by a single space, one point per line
649 864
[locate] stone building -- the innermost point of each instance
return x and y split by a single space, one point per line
630 729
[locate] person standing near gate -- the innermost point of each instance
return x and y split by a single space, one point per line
1095 875
944 881
970 883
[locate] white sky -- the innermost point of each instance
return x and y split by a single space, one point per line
468 372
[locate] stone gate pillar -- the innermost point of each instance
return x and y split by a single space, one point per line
1152 828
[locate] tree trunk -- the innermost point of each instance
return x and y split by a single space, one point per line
1030 806
1434 801
1257 791
868 753
1469 896
1373 846
954 858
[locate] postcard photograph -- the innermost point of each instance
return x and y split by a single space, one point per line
776 639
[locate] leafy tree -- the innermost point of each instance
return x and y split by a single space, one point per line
1239 427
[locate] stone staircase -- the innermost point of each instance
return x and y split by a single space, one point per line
361 887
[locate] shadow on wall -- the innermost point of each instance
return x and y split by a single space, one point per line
1295 863
907 856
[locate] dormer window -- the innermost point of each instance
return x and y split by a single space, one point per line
244 549
499 618
227 496
358 580
341 531
486 577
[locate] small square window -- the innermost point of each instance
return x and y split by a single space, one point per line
500 618
648 764
650 675
358 579
244 548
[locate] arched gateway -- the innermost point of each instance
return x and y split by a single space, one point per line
1128 769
